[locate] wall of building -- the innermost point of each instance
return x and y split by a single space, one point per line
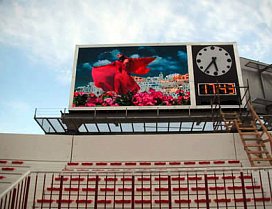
122 147
260 85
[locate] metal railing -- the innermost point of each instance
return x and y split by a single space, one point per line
191 188
144 188
16 196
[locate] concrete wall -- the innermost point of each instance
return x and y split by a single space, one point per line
35 147
122 148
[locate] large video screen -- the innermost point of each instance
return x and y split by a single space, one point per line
127 76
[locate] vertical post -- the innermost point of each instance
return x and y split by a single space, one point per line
35 190
60 192
132 192
26 192
169 192
243 190
261 182
96 191
207 192
13 198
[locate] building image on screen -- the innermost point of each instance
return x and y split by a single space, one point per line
131 76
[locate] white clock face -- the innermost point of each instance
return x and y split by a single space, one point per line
213 60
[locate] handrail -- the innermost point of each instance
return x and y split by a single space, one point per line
152 170
264 129
15 184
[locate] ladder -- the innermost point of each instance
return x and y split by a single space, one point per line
256 140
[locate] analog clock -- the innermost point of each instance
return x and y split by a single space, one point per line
213 60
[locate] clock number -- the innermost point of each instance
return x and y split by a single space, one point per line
209 89
232 89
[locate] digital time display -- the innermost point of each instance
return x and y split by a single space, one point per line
215 74
209 89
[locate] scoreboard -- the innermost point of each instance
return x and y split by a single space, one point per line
172 76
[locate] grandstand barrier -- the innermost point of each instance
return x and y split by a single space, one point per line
223 187
180 188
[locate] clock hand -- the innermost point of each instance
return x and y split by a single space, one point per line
215 65
209 66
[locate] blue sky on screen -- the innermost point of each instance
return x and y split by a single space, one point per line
38 38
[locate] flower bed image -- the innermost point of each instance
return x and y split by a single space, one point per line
150 98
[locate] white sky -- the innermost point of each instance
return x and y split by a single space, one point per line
38 37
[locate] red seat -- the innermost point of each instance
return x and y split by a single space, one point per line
110 179
261 199
144 189
91 189
222 200
3 161
253 187
233 161
71 189
178 178
246 177
190 163
131 163
183 201
242 200
116 163
2 177
212 177
194 178
144 179
17 162
180 188
73 163
126 179
77 179
145 163
122 201
198 188
86 163
8 169
104 201
228 177
162 201
174 163
53 189
101 163
217 188
63 179
125 189
204 162
159 163
107 189
84 201
162 189
93 179
219 162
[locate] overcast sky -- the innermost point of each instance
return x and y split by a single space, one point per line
38 38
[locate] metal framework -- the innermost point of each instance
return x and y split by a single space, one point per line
126 121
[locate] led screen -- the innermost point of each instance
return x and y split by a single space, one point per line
125 76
